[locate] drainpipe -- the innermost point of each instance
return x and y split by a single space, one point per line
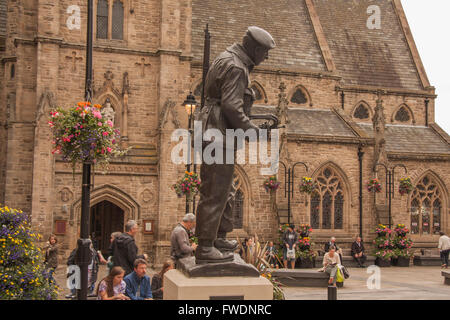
360 158
342 99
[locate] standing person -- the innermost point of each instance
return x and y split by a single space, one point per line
227 106
330 264
124 249
243 249
330 243
158 280
109 262
270 255
51 256
138 283
113 287
358 252
179 240
290 238
444 248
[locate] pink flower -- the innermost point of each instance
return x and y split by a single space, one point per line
99 124
105 133
110 123
97 114
109 149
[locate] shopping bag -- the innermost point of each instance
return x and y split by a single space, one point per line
290 254
339 277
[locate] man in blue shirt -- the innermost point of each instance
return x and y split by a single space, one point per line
138 283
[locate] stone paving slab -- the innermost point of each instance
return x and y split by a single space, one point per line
413 283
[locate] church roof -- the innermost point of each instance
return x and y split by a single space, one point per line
286 20
362 56
411 139
312 122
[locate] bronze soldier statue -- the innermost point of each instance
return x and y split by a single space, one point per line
228 102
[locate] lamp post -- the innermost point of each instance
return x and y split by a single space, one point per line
390 184
83 252
289 177
189 105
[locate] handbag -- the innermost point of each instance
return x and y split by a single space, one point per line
339 277
290 254
344 271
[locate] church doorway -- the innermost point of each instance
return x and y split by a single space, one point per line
106 218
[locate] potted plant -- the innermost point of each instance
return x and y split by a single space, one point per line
305 259
401 257
304 230
401 246
188 186
405 186
373 185
383 257
307 185
382 231
271 184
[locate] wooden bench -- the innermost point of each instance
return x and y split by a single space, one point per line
302 278
446 275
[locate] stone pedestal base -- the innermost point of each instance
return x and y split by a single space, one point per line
177 286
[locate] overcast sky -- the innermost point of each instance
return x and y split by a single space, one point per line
430 25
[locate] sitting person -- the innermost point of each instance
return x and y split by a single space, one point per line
330 264
252 250
330 243
113 287
158 280
358 252
271 255
138 283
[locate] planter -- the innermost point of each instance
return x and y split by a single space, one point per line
305 263
401 262
383 263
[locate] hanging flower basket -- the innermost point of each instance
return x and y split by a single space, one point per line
374 186
188 186
81 134
307 185
406 186
271 184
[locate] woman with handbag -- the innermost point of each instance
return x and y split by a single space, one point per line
331 261
290 239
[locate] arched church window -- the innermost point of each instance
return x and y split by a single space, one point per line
426 207
361 112
402 115
299 97
238 209
327 201
102 19
117 20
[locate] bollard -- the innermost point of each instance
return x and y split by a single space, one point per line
332 293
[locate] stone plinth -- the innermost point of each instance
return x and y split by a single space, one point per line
177 286
235 268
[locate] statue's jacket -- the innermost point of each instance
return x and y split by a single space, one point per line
227 92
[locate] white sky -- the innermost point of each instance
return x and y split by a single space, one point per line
429 21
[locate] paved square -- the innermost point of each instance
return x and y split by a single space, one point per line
413 283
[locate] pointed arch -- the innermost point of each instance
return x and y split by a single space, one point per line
243 195
299 94
362 111
116 104
260 93
330 202
427 204
113 194
403 114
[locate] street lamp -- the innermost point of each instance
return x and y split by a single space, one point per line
189 105
390 184
289 184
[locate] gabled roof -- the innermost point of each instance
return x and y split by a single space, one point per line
362 56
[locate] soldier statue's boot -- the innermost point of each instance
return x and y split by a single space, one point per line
225 245
208 254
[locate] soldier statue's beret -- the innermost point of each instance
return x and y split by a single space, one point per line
261 36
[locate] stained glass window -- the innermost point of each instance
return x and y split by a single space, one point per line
117 20
361 112
426 207
327 202
402 115
102 19
299 97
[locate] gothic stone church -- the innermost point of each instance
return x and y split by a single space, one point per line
344 91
